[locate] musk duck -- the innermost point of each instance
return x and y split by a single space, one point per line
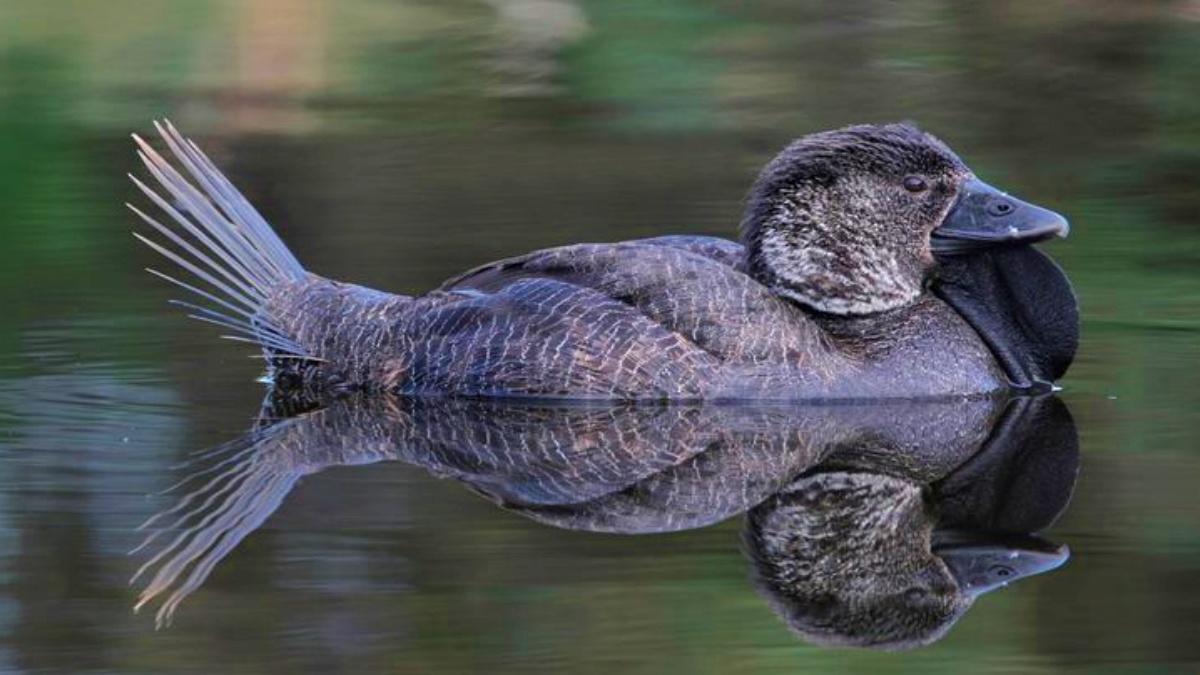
873 524
872 264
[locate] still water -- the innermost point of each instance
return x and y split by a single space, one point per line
396 144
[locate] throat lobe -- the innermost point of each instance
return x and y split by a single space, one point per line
1022 306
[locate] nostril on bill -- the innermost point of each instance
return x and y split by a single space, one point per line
1000 207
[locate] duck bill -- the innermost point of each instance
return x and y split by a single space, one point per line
984 217
983 563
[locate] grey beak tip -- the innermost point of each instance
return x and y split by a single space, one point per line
984 216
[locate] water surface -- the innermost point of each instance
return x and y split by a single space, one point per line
397 144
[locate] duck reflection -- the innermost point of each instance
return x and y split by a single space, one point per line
872 525
889 550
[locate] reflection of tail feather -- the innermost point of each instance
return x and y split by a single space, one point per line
231 505
235 487
238 449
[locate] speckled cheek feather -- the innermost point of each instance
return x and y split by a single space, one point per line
835 261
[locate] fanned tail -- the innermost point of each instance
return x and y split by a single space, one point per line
222 241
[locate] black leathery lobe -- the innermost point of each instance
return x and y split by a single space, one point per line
1021 304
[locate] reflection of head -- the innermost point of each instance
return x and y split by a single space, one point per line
845 559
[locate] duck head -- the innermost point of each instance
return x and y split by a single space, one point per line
859 221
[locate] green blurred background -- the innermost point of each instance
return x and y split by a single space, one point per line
396 143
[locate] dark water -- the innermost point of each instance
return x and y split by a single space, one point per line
397 144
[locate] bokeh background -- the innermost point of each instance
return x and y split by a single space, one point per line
396 143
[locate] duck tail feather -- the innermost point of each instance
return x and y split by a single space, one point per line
213 233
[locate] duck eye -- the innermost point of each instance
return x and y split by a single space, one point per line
915 184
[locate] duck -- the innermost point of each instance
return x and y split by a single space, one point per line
871 264
871 524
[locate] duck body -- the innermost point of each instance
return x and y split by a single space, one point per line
668 318
872 264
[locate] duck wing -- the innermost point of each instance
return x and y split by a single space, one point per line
690 286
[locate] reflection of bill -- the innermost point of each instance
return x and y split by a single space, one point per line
845 539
